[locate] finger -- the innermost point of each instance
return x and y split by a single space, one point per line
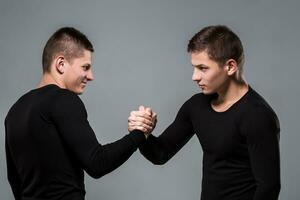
142 121
154 114
148 110
154 117
137 112
147 127
133 127
130 128
140 114
132 118
140 128
141 108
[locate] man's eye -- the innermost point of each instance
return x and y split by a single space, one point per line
85 68
203 69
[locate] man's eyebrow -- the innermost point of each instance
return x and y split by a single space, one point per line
200 65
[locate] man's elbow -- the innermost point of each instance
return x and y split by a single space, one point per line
158 162
159 159
271 189
276 187
97 173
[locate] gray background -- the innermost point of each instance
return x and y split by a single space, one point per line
141 58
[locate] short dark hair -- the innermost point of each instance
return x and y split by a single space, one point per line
220 43
67 41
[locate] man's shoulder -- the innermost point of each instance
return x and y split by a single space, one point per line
44 98
60 97
62 94
256 108
53 93
258 115
256 102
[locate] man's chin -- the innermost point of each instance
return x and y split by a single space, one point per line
78 91
207 92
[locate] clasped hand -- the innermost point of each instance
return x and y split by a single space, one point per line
144 120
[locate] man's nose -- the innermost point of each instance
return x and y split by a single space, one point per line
90 75
196 75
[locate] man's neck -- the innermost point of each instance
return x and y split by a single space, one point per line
48 79
230 94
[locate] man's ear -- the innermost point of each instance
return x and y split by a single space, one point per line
60 63
231 67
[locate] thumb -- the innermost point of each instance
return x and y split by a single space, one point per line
149 111
141 108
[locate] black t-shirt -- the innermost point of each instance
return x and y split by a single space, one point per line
49 143
240 146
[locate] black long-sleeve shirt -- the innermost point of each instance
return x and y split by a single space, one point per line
240 147
49 143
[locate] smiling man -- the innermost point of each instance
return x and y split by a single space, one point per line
49 141
237 129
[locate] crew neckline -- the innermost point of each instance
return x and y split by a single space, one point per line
232 107
44 87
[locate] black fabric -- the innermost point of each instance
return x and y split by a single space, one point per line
240 146
49 143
